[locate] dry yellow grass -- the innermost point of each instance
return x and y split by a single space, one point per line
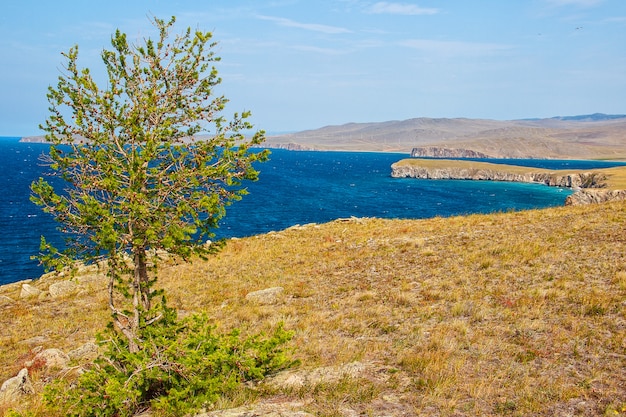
506 314
446 163
616 177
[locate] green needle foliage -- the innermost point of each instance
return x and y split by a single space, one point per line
137 181
182 366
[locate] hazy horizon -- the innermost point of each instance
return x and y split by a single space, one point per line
301 65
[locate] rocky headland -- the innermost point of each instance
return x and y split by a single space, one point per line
590 187
289 147
574 180
439 152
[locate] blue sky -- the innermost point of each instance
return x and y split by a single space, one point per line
306 64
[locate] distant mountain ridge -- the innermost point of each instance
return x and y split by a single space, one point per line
593 136
596 117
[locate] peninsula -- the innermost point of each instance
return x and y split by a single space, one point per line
598 185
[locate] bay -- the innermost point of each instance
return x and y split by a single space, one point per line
294 188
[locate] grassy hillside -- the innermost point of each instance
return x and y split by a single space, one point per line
565 138
519 313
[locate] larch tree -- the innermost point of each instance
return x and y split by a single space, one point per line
138 180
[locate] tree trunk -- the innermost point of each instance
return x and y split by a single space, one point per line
121 321
129 325
141 278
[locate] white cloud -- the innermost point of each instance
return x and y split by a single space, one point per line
315 27
383 7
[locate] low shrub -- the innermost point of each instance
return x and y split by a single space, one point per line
182 366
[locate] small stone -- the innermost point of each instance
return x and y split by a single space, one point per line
63 288
52 358
87 351
300 378
12 389
266 410
91 279
266 296
29 291
4 300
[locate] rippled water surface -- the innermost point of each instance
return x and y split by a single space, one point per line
294 188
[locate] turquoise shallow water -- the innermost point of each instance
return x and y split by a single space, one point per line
294 188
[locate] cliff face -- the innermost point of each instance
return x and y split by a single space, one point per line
582 180
437 152
590 196
589 184
287 146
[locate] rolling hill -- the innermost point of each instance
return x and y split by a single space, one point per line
595 136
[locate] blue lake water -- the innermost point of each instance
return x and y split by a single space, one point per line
294 188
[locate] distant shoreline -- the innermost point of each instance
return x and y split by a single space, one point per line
299 148
32 139
590 186
587 137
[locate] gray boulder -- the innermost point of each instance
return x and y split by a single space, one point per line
266 296
300 378
28 291
50 358
62 288
261 410
88 351
14 388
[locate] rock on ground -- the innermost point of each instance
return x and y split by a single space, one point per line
261 410
298 379
14 388
50 358
582 197
4 300
88 351
62 288
266 296
29 291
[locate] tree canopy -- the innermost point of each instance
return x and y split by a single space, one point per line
138 179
